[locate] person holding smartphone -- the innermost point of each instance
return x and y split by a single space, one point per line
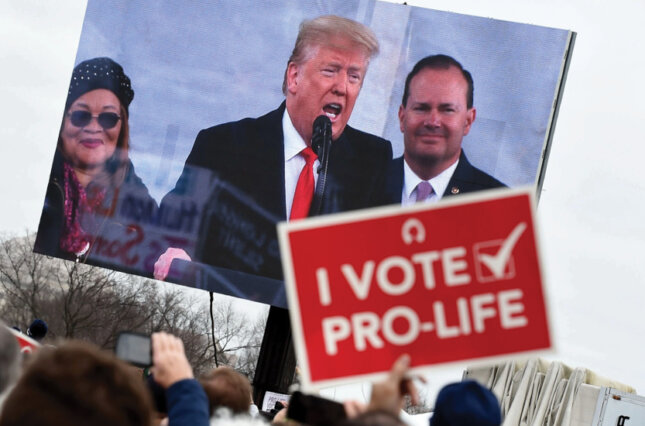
186 399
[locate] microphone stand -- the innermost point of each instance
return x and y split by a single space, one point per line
321 145
277 346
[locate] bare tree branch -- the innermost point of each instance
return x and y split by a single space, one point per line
90 303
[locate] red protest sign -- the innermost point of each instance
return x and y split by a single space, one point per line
27 344
455 281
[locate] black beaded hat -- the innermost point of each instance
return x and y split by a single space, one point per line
99 73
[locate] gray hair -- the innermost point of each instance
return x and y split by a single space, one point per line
321 30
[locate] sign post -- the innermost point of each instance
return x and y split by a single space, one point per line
451 282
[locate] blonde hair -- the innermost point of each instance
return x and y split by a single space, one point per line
320 32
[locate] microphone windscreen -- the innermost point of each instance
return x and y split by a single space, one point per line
321 128
321 122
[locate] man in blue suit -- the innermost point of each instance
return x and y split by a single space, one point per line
435 114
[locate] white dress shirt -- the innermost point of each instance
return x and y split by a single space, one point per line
411 180
293 162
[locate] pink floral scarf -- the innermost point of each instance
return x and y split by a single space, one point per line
77 206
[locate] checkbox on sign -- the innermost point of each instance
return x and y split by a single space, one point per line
494 259
484 271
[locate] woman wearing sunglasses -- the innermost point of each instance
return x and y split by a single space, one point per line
91 173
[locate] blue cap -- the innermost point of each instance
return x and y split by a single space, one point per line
37 330
466 403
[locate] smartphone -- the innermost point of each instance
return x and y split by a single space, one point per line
134 348
314 410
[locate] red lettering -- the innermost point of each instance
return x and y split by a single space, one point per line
138 238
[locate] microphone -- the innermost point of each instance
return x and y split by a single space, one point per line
321 145
321 135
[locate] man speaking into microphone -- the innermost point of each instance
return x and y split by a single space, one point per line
267 172
269 160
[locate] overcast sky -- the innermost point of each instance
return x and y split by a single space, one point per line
593 200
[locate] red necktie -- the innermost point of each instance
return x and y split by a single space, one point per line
305 187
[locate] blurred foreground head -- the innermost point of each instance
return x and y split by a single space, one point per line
466 403
10 358
225 387
77 384
375 418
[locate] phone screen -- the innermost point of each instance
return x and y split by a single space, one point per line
134 348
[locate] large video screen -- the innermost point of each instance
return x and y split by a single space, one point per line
144 162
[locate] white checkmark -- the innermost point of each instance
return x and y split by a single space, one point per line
497 262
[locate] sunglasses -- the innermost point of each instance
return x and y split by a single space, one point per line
107 120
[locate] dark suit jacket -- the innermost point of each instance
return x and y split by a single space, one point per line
104 229
466 178
247 159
